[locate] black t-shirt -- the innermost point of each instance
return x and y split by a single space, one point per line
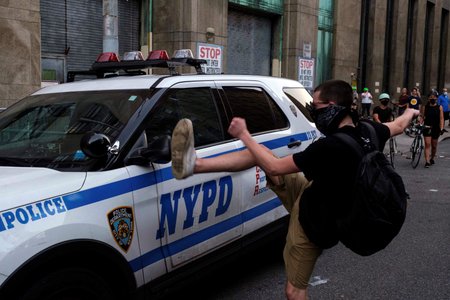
384 115
414 102
432 116
331 165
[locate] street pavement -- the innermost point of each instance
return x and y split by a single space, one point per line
404 143
416 265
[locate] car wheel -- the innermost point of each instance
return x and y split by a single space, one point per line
70 284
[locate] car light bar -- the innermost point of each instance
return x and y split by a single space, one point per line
133 63
109 62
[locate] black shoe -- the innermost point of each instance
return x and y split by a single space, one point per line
427 165
431 161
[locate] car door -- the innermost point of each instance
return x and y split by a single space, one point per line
270 127
200 213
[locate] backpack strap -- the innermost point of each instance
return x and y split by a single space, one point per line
372 134
358 148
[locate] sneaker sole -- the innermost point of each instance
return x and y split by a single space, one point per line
182 140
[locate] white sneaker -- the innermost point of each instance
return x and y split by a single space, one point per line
183 152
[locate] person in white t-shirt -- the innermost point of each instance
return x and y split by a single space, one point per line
366 102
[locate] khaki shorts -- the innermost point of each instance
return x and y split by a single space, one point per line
300 255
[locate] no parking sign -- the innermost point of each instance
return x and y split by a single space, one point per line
306 72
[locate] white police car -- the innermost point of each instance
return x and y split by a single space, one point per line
89 207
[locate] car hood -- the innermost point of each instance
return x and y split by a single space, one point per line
19 186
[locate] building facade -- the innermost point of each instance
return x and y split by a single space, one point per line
380 44
20 53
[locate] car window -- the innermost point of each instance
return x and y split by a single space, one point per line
45 130
254 105
196 104
301 98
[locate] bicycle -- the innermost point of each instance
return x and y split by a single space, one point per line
392 150
392 145
417 145
411 130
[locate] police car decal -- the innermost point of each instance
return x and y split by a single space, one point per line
260 178
32 212
186 242
169 203
121 222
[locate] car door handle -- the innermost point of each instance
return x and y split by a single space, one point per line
294 144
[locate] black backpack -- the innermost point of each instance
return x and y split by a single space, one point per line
378 206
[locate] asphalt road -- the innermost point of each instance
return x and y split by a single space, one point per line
416 265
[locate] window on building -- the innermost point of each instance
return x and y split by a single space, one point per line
249 43
410 42
388 42
427 44
324 41
443 48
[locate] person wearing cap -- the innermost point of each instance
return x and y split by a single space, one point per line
433 127
383 113
366 102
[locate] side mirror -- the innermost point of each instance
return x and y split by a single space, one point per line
157 151
95 145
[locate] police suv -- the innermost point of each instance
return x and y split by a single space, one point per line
89 207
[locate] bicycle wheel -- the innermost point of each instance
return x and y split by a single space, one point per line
392 151
417 151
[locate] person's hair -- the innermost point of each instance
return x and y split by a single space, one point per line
433 92
414 89
337 91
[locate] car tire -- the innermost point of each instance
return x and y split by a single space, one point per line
72 283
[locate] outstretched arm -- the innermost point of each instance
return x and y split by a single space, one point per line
398 125
271 165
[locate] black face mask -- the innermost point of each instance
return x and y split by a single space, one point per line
384 102
432 101
327 119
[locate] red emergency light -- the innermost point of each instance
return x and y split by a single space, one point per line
107 57
158 55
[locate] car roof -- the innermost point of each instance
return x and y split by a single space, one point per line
146 81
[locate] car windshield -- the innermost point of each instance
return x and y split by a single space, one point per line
45 130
